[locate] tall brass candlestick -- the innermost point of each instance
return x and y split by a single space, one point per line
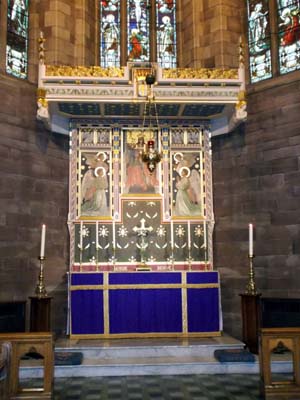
40 289
251 287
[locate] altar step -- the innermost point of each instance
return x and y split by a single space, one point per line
149 357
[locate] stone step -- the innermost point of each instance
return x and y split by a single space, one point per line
150 357
116 349
155 366
154 351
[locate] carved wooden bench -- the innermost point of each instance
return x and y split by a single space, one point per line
23 343
270 340
5 357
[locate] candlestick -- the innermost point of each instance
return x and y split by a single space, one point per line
189 234
250 240
40 289
251 287
43 238
172 235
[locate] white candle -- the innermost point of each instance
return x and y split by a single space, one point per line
43 238
189 234
81 229
97 231
172 235
250 240
204 234
114 233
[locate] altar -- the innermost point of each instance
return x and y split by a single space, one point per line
141 217
145 304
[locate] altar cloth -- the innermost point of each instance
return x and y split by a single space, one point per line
150 304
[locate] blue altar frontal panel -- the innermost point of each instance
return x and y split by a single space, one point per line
133 304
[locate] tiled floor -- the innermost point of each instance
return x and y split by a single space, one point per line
187 387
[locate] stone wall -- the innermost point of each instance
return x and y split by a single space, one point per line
256 174
33 190
209 33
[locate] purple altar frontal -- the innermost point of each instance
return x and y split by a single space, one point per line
144 304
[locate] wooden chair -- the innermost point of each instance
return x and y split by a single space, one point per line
23 343
270 339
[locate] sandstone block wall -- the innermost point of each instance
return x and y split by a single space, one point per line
209 33
256 174
33 190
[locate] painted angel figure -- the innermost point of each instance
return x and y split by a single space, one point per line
184 204
93 187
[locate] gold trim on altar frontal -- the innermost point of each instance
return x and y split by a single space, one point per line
106 306
81 71
184 304
147 286
200 73
147 335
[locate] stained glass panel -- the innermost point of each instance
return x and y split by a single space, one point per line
110 33
138 32
17 38
166 33
289 35
259 40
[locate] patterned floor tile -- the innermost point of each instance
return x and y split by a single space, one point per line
191 387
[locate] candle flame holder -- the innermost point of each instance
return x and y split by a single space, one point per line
251 287
40 289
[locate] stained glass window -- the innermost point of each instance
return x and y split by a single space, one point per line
138 30
166 33
289 35
110 33
259 40
17 38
